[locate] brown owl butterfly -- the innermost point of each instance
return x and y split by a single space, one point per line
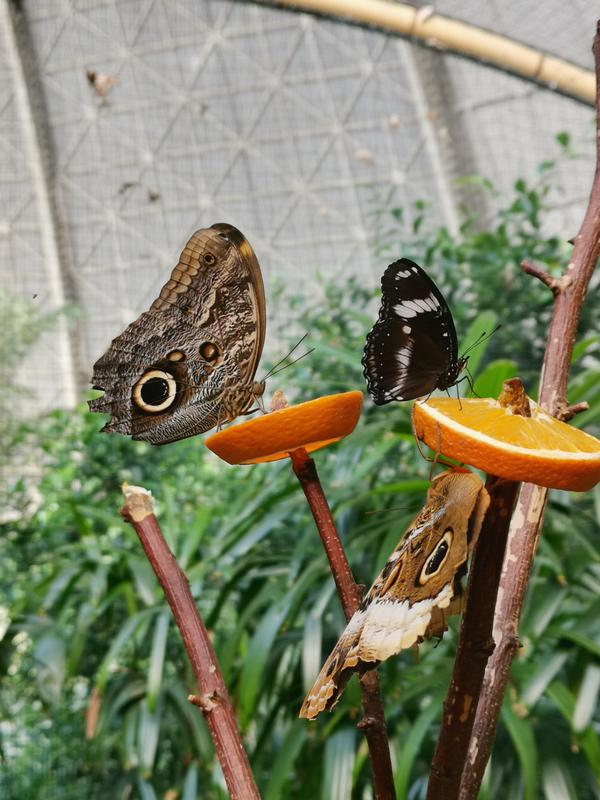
418 588
188 363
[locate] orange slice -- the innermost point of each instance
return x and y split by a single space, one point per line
310 425
537 449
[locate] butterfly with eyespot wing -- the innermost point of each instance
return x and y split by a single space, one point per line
188 363
417 589
412 348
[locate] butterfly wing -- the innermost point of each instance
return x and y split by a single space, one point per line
188 363
412 348
414 591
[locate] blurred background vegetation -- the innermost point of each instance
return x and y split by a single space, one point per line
93 676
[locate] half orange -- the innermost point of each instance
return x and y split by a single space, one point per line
272 436
537 449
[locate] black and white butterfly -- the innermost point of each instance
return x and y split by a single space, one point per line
412 348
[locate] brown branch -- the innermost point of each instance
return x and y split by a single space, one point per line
523 533
532 269
306 472
571 411
475 646
213 699
528 517
373 722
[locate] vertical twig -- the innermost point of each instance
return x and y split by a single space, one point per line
213 699
373 722
475 646
569 292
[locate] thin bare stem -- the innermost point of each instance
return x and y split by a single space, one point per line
528 517
213 699
373 722
537 272
571 411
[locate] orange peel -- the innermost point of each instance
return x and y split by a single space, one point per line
274 436
538 449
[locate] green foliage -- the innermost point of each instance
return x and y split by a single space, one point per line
22 326
87 619
479 269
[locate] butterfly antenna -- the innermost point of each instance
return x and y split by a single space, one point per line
481 338
295 361
274 370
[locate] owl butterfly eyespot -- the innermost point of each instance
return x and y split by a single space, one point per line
417 589
209 351
412 348
188 363
436 560
155 391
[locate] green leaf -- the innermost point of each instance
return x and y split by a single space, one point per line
258 652
544 673
59 584
119 643
409 747
481 326
562 698
542 615
194 535
407 486
589 744
489 381
339 758
557 782
582 347
145 581
587 698
157 658
190 784
523 739
190 720
145 789
312 638
49 655
281 769
577 638
147 735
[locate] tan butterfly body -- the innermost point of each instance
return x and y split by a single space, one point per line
188 363
416 590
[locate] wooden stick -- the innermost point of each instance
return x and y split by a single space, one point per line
213 699
373 722
527 520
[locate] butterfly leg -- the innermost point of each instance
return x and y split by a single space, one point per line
437 459
424 456
260 405
254 410
469 378
457 393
